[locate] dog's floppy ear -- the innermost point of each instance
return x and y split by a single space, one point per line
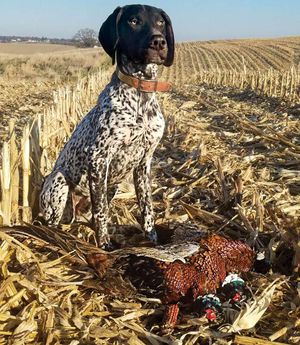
108 34
170 39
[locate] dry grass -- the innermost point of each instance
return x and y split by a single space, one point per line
50 66
228 163
27 82
32 48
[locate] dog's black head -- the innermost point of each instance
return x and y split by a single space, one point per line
143 33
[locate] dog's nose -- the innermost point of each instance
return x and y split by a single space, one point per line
157 42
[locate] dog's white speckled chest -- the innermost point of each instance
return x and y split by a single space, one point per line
125 131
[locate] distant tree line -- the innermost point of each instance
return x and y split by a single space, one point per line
83 38
7 39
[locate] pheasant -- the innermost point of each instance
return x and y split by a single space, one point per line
200 272
175 272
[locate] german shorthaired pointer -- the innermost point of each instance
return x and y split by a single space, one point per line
119 135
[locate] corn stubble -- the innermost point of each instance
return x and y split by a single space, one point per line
228 164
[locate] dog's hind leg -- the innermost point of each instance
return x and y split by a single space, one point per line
54 197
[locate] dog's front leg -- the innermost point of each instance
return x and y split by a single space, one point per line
98 171
142 183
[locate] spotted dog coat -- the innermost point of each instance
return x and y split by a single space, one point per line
119 135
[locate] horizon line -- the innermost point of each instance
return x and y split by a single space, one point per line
179 41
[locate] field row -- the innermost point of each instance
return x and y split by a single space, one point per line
240 55
270 67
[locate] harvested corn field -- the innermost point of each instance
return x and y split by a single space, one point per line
263 54
268 67
30 74
28 79
228 164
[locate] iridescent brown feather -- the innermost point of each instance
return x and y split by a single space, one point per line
173 273
203 272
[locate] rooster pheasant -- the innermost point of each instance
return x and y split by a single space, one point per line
197 273
174 272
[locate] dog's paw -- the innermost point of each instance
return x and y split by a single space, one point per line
104 243
152 236
107 246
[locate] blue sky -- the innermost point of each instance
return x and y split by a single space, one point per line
192 19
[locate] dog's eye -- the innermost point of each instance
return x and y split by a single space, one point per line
133 21
161 22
